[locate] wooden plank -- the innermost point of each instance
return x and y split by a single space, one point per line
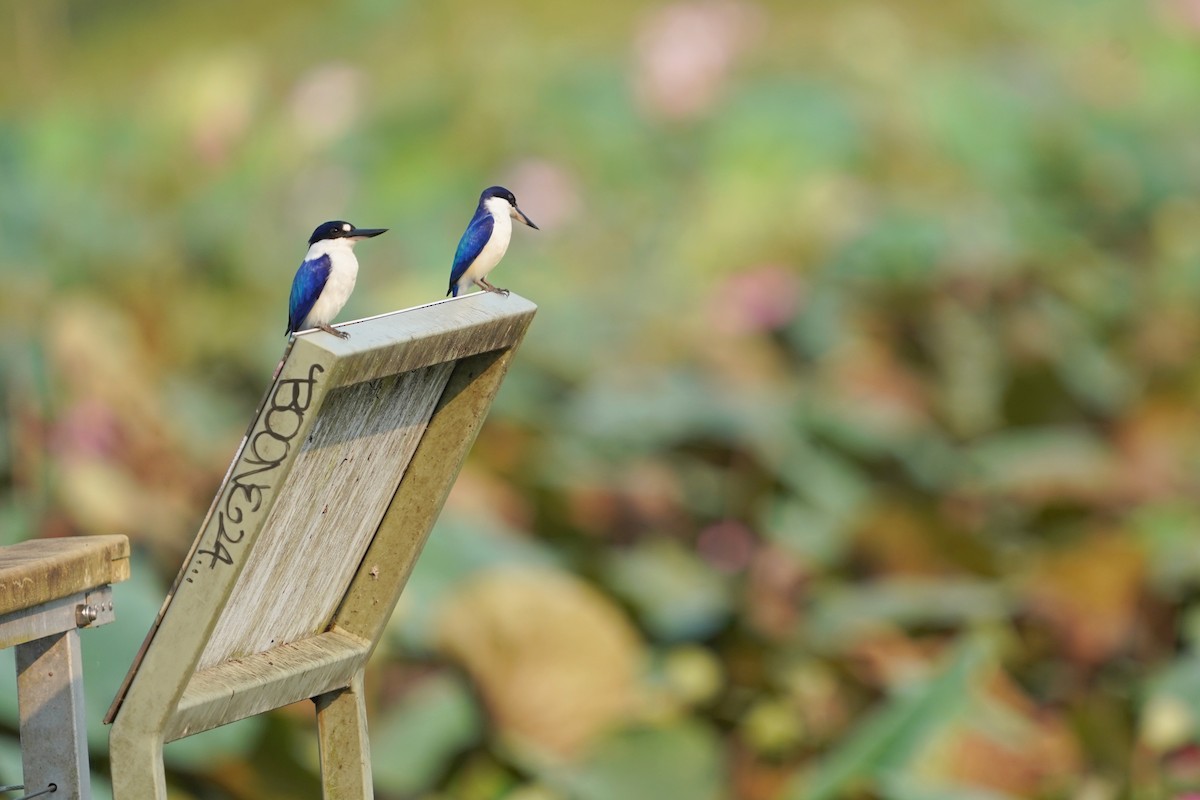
41 570
287 674
344 745
446 330
327 512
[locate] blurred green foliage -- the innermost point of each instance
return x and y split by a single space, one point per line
853 451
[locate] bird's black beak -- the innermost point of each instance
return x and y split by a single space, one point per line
366 233
519 214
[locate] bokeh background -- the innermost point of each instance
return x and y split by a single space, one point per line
853 452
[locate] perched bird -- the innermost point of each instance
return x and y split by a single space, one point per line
326 277
485 240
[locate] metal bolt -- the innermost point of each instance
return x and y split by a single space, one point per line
85 614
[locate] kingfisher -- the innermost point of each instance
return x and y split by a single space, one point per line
326 277
483 243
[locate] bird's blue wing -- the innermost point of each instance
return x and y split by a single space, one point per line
306 288
471 245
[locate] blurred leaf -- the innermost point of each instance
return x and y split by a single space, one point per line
647 411
772 727
886 740
976 118
1170 715
901 787
972 368
414 741
817 537
1167 532
457 548
826 320
899 249
10 756
1004 742
209 750
842 614
647 764
16 522
1086 362
676 594
777 127
692 673
1043 464
828 480
556 661
1089 592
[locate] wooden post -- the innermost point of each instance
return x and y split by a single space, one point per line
345 748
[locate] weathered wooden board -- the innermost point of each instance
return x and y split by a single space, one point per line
434 334
41 570
328 510
285 674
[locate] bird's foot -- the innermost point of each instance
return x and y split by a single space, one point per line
487 287
334 331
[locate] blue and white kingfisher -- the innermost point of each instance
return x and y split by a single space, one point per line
483 243
326 277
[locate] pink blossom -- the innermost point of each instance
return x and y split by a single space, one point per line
686 51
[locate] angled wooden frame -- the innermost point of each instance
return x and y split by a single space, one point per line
313 533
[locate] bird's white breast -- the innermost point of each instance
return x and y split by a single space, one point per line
343 272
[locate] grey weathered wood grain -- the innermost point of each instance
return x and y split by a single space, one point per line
327 512
243 687
432 334
40 570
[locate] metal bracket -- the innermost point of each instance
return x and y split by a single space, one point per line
65 614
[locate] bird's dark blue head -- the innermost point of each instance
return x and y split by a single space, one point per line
500 192
340 229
